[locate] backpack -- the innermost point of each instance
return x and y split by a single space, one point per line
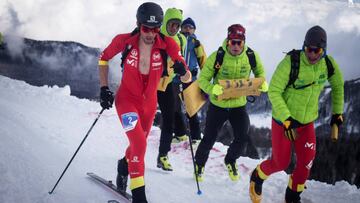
128 47
295 66
220 59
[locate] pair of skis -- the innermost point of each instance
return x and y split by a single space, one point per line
126 197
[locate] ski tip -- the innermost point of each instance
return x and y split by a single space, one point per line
199 192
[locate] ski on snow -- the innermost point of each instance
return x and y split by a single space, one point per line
124 195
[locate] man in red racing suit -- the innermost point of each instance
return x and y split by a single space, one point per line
136 98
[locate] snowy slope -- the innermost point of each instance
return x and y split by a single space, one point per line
41 127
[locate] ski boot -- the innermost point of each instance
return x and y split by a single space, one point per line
138 195
178 139
233 170
199 172
122 176
163 163
255 188
292 196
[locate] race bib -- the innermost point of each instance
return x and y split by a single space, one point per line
129 120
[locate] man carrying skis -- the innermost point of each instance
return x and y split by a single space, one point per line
235 65
195 57
136 97
294 94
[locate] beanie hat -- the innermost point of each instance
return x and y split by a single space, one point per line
316 36
189 21
236 31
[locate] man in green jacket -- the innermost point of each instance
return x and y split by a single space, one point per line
167 99
294 110
235 65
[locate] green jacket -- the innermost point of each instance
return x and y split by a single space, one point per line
1 39
174 13
233 67
302 104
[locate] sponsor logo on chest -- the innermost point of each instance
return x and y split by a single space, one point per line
132 60
156 61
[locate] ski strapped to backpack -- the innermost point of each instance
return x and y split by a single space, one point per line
220 59
163 53
295 66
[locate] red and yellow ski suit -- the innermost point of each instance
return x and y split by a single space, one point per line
136 98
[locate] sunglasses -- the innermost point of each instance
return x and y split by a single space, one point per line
148 29
316 50
233 42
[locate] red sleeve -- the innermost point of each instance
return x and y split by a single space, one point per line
173 50
116 46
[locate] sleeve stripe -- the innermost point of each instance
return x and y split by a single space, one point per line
103 63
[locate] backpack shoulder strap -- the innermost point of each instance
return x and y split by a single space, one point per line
252 60
295 65
219 60
125 53
181 43
164 57
330 67
162 36
128 47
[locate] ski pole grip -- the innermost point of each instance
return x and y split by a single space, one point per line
334 133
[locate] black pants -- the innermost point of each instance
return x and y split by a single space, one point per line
194 122
172 118
216 116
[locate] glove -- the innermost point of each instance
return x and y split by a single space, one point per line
186 78
196 43
179 68
336 119
264 87
106 97
290 126
217 90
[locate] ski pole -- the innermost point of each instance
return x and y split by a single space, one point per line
193 160
82 142
191 147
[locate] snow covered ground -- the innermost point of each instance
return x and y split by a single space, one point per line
41 127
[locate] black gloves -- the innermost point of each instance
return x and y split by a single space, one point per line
196 43
336 119
290 126
179 68
106 97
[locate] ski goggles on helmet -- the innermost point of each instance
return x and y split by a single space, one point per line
316 50
146 29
